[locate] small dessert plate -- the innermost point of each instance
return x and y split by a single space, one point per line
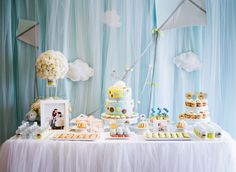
109 137
139 131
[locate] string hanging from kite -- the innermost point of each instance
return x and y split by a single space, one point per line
131 69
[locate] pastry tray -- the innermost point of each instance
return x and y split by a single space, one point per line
71 138
168 138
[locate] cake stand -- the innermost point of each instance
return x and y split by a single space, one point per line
107 121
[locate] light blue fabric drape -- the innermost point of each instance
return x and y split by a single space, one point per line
215 43
75 28
8 90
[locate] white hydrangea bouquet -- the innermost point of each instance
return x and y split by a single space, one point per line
51 65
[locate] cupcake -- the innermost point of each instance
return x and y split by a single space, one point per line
188 102
152 119
161 135
113 132
201 95
119 132
203 115
167 135
143 124
181 116
179 135
193 116
154 135
126 131
148 134
81 124
181 124
192 103
199 116
199 103
189 95
204 102
166 117
187 115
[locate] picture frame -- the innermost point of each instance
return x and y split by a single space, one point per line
54 114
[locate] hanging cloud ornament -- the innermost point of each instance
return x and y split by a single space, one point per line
188 61
112 19
79 71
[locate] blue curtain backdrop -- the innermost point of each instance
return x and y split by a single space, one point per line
75 28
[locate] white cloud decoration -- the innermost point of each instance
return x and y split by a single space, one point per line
79 71
188 61
112 19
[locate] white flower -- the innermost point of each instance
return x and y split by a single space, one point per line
51 65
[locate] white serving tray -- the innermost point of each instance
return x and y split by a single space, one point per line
71 139
193 121
167 139
108 137
139 131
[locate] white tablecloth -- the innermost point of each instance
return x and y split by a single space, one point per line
134 155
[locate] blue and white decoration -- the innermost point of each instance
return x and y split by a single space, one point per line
112 36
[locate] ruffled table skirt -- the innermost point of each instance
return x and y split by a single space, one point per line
118 156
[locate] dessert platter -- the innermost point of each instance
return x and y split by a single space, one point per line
80 123
70 136
142 125
167 136
119 105
118 132
84 123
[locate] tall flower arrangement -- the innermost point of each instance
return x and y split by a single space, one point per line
51 65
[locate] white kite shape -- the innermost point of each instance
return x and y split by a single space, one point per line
79 71
112 19
188 61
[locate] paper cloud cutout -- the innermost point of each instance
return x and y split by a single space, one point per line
112 19
79 71
188 61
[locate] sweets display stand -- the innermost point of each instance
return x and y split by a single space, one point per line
108 121
168 139
193 121
139 131
76 129
196 109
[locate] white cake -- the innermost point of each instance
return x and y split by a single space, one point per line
119 104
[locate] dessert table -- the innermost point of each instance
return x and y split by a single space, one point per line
131 155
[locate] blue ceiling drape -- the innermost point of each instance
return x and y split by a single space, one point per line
75 28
